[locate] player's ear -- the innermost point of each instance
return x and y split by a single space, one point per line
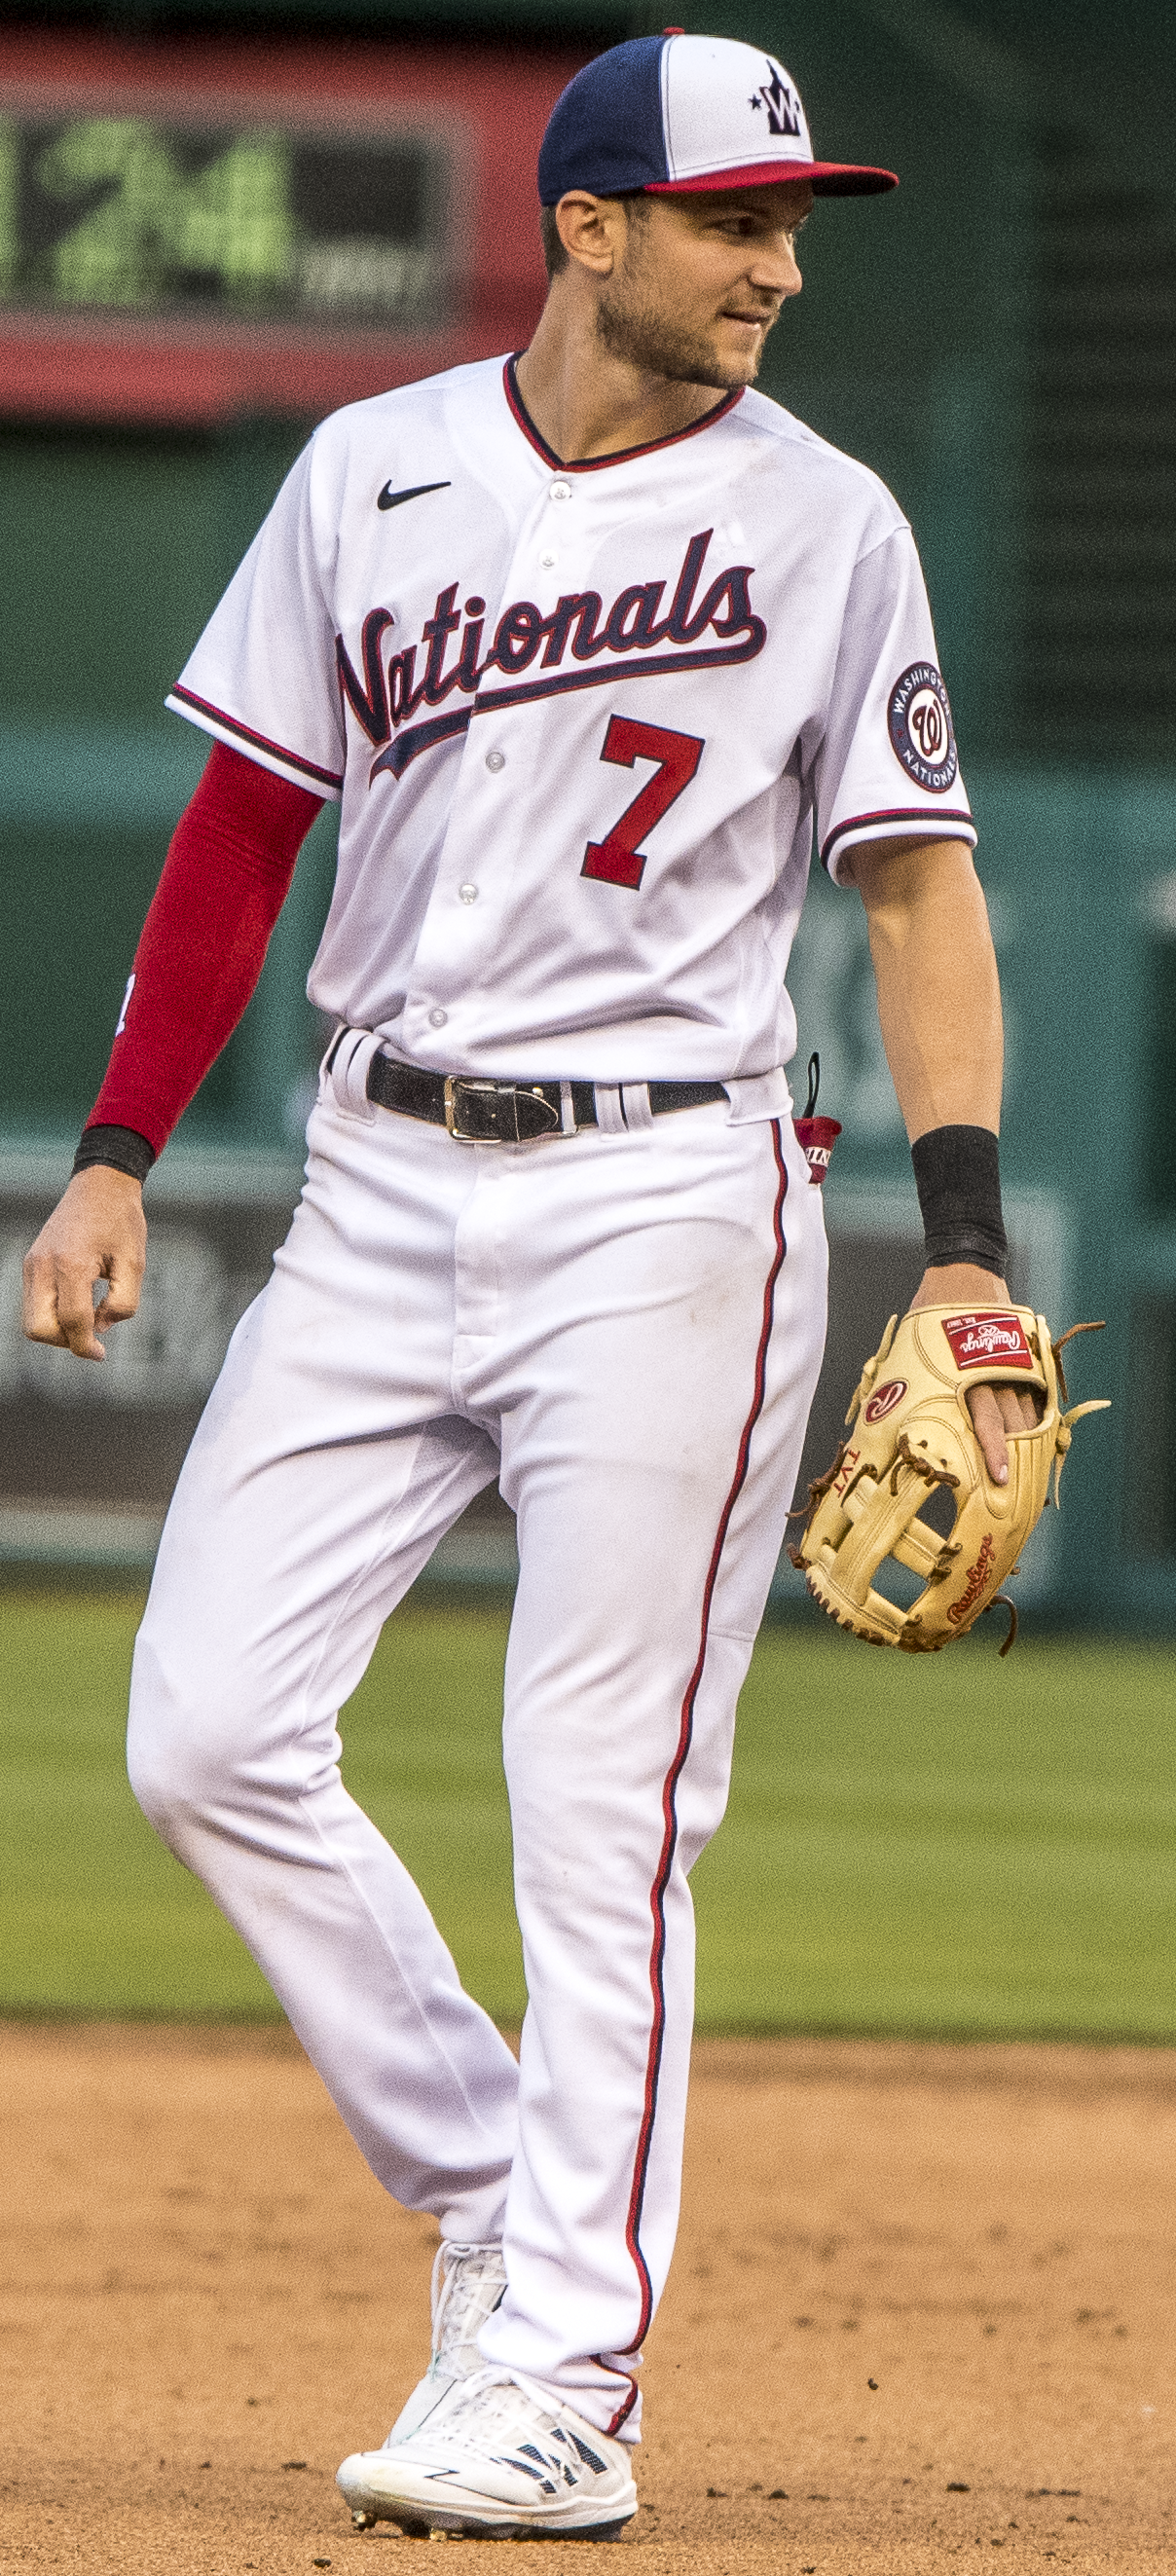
591 230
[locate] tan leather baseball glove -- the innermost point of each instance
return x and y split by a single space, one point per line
910 1433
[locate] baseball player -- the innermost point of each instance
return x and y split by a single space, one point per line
586 643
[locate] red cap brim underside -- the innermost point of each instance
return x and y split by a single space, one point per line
827 179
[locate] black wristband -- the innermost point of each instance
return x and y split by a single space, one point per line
957 1175
122 1149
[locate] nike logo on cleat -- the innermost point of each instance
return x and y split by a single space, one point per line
390 500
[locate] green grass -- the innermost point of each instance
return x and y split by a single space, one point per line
959 1846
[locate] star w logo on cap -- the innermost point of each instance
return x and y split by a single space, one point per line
785 114
671 112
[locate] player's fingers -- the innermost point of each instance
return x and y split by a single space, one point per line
97 1233
39 1300
39 1312
1020 1407
75 1313
117 1297
59 1305
990 1432
121 1300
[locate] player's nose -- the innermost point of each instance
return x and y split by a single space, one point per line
778 268
774 271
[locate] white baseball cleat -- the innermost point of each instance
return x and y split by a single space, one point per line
497 2461
468 2282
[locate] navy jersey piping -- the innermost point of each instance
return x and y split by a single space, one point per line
621 455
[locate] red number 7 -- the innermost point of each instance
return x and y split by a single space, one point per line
618 859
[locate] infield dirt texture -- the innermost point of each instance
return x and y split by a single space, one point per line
926 2291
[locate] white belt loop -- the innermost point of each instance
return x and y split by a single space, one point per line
567 1115
350 1057
635 1102
329 1053
610 1116
757 1095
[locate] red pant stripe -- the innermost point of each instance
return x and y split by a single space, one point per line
673 1775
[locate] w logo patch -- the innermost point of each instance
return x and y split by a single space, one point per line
781 102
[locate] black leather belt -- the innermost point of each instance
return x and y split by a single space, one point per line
507 1113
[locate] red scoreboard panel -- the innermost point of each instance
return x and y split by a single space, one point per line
195 229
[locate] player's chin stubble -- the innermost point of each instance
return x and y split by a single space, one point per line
654 343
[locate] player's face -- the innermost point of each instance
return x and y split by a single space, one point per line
700 280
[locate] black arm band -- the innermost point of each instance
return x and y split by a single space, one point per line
957 1175
122 1149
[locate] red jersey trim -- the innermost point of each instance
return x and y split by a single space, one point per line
259 741
963 827
621 455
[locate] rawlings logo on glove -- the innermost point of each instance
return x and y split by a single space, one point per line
976 1339
913 1432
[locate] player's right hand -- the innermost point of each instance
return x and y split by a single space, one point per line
97 1231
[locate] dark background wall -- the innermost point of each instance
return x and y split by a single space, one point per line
997 340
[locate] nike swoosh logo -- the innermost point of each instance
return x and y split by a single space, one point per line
390 500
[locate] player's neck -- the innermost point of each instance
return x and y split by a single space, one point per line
586 402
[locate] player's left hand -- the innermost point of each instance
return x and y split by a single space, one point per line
994 1409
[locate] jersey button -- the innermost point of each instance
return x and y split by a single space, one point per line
437 1019
496 760
561 491
548 561
468 893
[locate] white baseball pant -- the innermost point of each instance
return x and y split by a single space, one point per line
630 1325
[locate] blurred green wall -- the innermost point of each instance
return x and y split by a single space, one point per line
114 549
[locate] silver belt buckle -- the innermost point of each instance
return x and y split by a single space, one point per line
455 1087
458 1085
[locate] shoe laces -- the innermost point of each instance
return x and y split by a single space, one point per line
485 2410
490 2413
468 2283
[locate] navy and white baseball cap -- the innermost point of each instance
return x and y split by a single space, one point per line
676 112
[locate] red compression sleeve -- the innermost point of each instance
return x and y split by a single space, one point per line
203 944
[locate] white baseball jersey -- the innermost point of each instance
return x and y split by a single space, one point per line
581 720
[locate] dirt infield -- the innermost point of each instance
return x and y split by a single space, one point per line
924 2303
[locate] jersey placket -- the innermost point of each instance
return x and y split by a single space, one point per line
459 941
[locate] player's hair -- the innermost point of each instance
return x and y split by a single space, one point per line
555 258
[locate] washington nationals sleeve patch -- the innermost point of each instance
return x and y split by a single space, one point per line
921 733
